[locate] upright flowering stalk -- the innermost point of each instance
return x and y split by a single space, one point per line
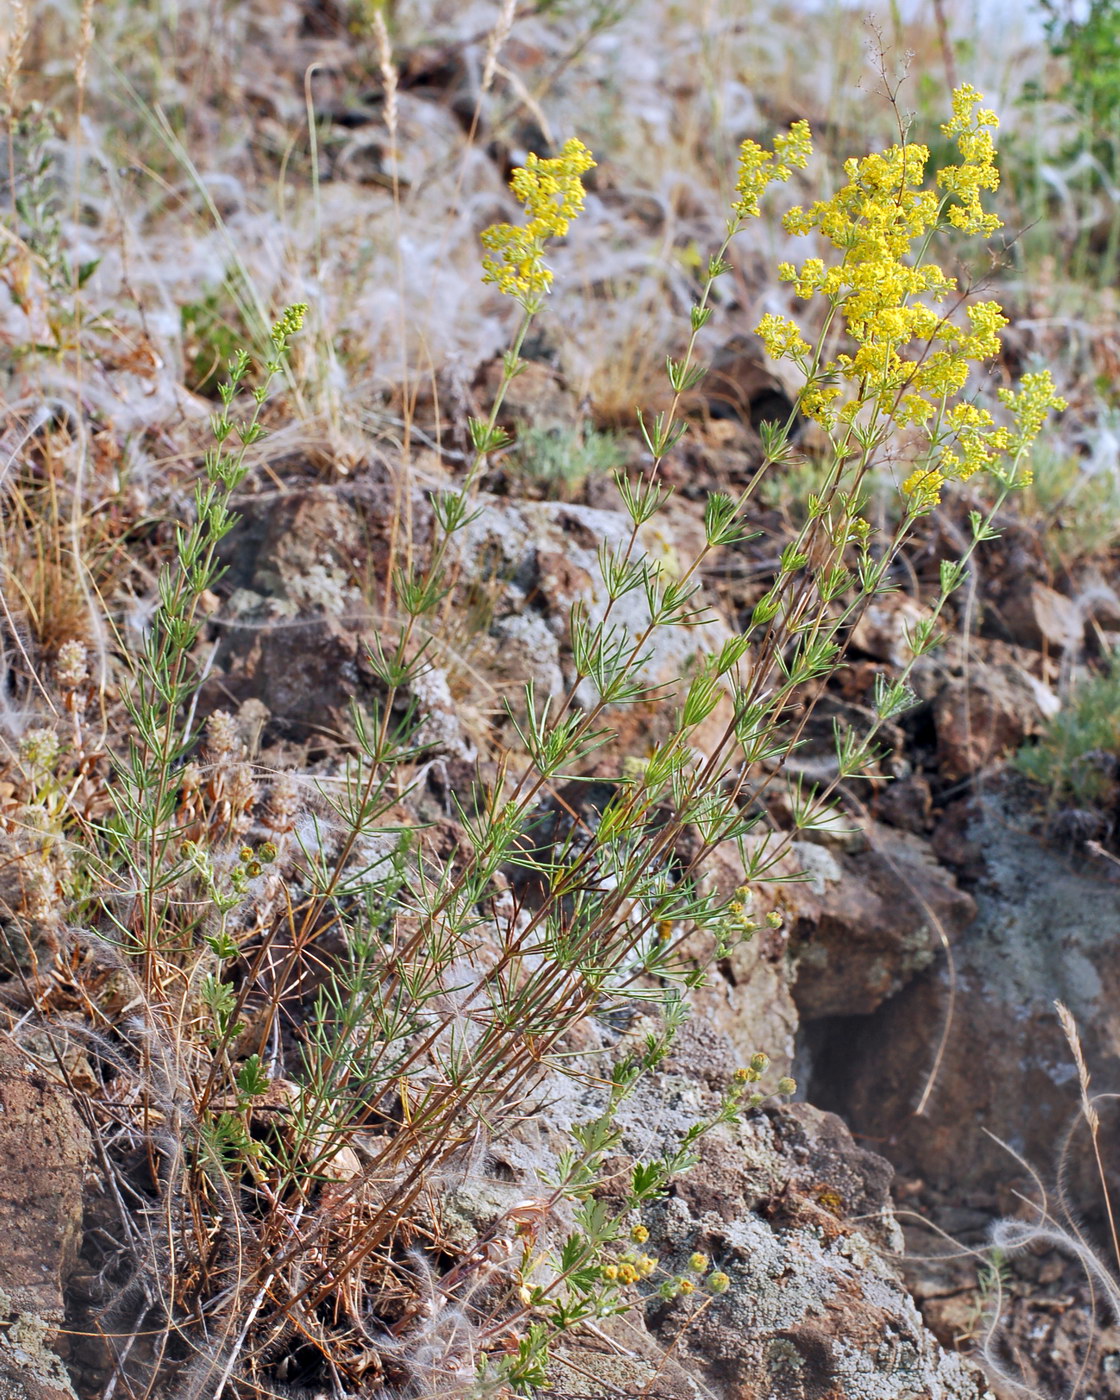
552 194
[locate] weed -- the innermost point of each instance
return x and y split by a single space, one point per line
1079 507
212 335
563 459
320 1017
1077 759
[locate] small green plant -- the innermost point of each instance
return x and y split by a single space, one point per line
1078 757
1079 508
36 266
563 459
213 333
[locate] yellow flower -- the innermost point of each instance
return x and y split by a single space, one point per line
782 338
922 488
759 167
552 194
906 359
972 126
1030 407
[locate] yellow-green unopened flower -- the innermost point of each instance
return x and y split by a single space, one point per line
552 194
290 322
698 1262
717 1282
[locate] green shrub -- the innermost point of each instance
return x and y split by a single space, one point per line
1078 757
563 459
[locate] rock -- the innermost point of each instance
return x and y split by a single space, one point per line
526 649
811 1310
44 1148
982 718
297 626
885 625
1039 616
868 922
537 397
739 385
44 1151
811 1307
307 671
291 628
747 1003
906 803
296 630
773 1203
1046 928
544 556
29 1369
1097 599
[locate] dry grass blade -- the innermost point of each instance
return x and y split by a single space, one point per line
1091 1116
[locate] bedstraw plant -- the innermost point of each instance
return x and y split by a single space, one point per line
325 1022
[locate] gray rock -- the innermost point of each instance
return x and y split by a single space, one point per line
812 1307
1046 929
868 922
44 1152
543 557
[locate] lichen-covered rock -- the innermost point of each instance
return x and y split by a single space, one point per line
29 1369
793 1212
542 557
811 1311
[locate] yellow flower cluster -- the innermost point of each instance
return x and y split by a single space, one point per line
782 338
759 168
873 221
981 445
551 192
629 1269
972 125
906 358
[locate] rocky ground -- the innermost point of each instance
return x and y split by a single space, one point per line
911 987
